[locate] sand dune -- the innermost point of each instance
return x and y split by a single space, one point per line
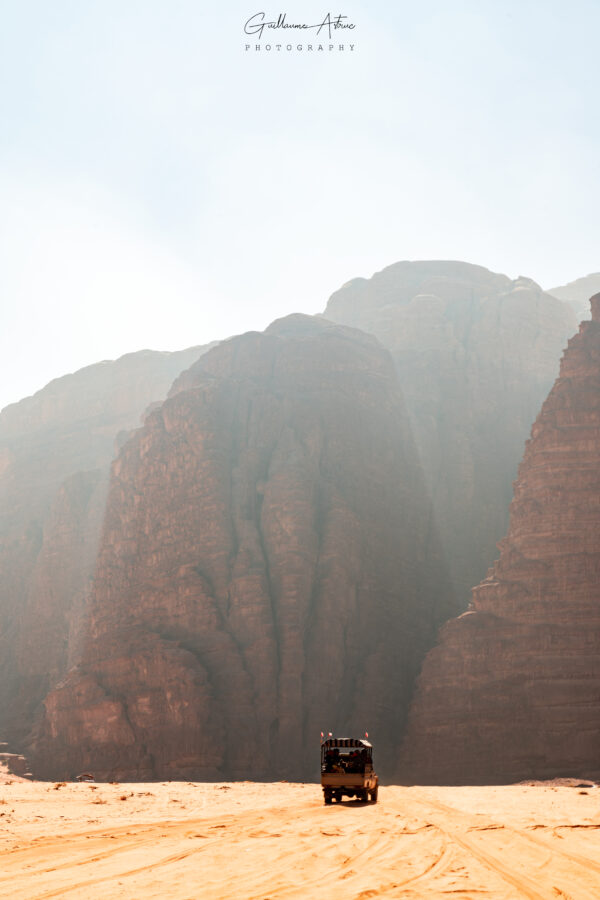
271 841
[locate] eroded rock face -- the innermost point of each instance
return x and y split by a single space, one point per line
512 690
476 355
55 453
268 570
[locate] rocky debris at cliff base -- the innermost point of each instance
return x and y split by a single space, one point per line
13 766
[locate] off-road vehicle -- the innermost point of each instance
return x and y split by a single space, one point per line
347 769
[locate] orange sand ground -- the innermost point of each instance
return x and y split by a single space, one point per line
270 841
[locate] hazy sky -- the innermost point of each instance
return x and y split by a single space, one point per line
161 187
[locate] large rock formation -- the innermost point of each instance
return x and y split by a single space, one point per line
513 688
476 355
576 293
55 452
268 569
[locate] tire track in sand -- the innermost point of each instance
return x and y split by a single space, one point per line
73 851
381 855
584 861
530 888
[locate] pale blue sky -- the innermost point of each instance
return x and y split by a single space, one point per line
161 187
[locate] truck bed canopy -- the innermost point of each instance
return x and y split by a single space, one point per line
345 742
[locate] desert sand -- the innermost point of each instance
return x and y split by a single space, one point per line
269 841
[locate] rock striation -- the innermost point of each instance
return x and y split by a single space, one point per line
512 690
476 354
55 452
268 569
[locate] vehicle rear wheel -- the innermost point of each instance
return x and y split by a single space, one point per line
327 798
374 793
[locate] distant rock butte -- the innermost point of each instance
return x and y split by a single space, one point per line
512 690
476 354
55 452
577 292
268 570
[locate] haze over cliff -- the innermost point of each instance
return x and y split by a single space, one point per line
476 354
512 690
577 293
55 452
273 550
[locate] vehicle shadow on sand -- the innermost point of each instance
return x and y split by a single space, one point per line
349 804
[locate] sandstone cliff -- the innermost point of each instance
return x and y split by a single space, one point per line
268 569
55 452
512 690
476 355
